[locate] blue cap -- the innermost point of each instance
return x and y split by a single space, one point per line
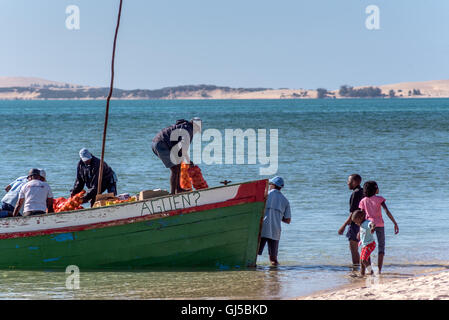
277 181
85 154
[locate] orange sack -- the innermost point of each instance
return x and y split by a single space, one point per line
72 203
185 181
197 178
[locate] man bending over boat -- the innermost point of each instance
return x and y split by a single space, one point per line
36 195
277 210
11 197
87 175
177 136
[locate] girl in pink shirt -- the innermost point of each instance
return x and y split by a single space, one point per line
372 206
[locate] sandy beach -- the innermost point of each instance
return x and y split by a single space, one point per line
433 286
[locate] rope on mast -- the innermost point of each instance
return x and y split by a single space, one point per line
100 173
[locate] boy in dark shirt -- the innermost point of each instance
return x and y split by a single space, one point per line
354 181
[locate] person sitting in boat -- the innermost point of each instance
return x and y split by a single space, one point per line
11 197
43 175
87 176
35 195
277 209
180 136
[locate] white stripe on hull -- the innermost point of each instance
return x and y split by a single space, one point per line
118 212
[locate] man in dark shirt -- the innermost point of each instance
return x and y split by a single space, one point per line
164 142
354 181
87 175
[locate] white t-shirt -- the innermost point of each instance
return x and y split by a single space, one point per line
35 193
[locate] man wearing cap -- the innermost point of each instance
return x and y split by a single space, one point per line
87 175
277 209
36 195
11 197
43 175
171 144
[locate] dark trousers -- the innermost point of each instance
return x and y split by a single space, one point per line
273 246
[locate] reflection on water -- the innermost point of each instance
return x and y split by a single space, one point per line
143 285
263 282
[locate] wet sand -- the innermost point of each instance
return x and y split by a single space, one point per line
433 285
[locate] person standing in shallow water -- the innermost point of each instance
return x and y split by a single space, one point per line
277 209
372 205
354 181
367 242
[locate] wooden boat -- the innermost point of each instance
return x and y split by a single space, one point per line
217 227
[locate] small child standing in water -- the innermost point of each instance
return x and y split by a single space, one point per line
372 206
366 240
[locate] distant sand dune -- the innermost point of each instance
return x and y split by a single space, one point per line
436 88
26 82
61 90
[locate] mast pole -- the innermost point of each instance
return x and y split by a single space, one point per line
100 173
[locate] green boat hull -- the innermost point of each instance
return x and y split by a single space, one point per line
220 238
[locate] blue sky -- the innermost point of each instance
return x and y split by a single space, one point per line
238 43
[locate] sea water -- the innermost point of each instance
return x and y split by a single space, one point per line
403 144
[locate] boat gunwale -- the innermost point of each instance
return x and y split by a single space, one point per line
128 203
133 219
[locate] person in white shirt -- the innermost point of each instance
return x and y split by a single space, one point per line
11 197
36 195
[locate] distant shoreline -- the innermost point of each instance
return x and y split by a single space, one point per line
220 99
23 88
223 99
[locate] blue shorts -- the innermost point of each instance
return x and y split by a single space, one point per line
5 210
4 214
7 207
162 150
353 230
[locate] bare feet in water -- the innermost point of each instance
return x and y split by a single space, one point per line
274 263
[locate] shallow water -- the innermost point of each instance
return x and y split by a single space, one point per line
262 282
402 144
